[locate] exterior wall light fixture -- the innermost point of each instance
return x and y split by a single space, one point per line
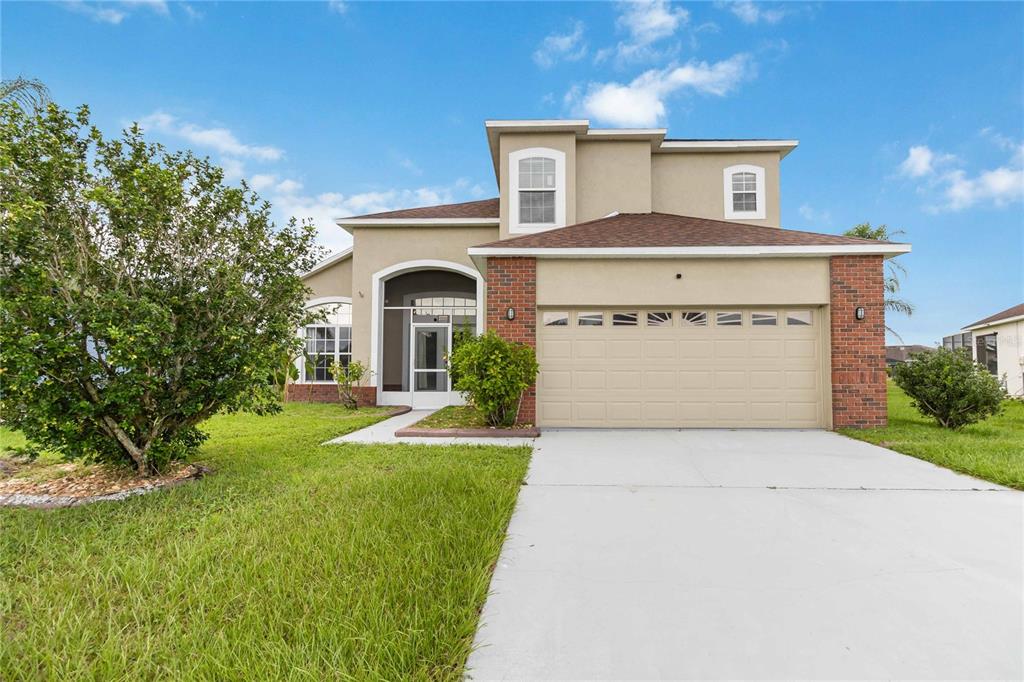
510 314
859 313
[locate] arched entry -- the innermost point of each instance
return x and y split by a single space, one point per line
419 310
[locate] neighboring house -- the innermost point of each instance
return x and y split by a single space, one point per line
998 344
896 355
650 274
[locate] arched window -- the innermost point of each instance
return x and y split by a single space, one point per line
537 189
328 341
744 192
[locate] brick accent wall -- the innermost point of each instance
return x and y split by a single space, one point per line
328 393
858 346
512 283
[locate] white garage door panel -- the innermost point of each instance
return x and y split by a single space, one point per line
679 376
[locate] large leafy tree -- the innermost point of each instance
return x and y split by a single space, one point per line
894 270
141 294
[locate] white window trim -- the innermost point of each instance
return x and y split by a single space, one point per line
514 158
727 174
300 362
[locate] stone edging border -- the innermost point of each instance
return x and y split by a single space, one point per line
413 432
61 501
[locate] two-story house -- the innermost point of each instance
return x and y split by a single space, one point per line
651 275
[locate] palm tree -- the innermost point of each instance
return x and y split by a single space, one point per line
893 270
28 93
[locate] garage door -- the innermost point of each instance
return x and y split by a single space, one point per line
699 367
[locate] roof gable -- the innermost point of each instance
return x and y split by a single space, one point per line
485 208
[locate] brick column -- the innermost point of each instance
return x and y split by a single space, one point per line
512 283
858 346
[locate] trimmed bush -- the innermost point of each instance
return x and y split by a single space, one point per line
950 387
492 373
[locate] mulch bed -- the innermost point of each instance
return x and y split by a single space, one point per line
81 484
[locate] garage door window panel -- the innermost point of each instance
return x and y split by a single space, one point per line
655 319
555 319
590 319
729 318
799 318
625 319
763 319
692 318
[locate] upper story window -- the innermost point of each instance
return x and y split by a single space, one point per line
536 189
744 192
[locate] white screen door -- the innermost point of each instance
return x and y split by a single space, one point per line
430 365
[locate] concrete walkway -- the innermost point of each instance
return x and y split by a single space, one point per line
384 432
752 555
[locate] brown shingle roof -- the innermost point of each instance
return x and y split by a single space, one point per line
485 208
1015 311
668 230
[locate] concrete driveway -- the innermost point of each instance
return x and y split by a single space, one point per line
754 555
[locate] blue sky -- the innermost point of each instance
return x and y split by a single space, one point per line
907 114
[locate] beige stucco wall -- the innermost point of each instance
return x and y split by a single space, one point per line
333 281
712 281
691 184
612 175
377 248
563 142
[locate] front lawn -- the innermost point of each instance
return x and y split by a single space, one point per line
992 450
291 560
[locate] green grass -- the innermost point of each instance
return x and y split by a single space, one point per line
992 449
454 417
459 417
292 561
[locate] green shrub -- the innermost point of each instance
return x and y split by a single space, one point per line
349 377
950 387
492 374
141 294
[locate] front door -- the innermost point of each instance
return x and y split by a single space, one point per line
429 365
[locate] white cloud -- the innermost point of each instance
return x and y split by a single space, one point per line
323 208
115 12
96 12
641 102
262 181
995 187
561 46
220 140
158 6
651 20
191 12
812 215
409 165
1005 143
646 22
337 6
288 186
233 169
750 12
922 161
